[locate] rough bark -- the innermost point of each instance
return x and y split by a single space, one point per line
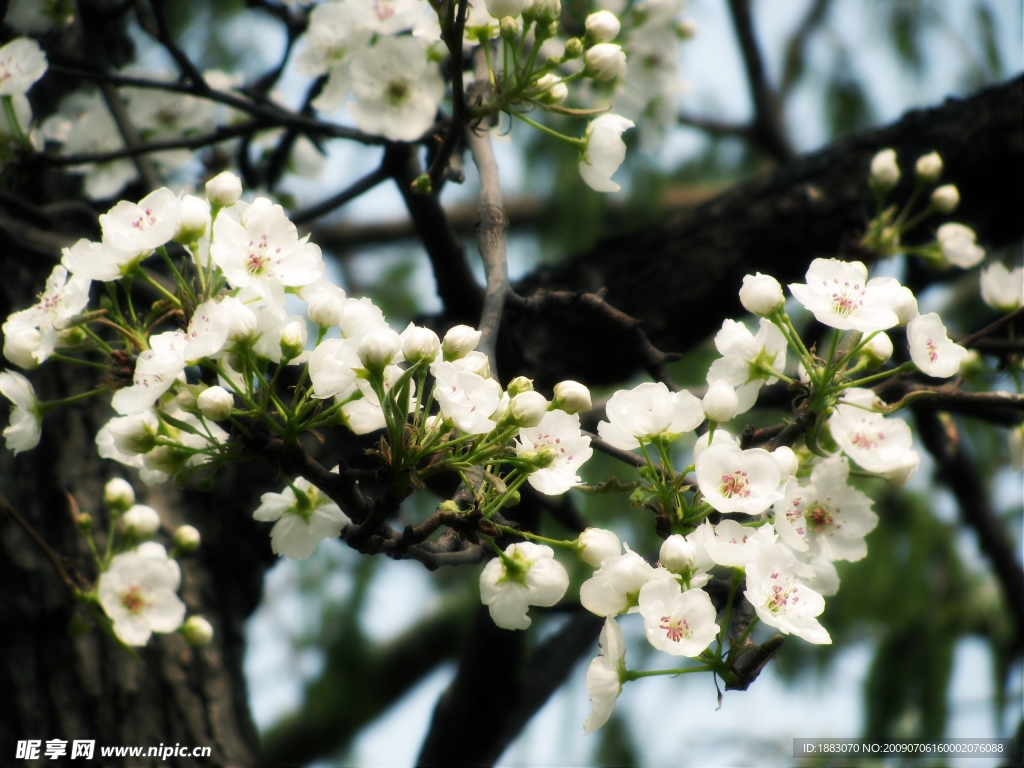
682 278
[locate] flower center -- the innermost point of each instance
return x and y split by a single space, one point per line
133 600
735 484
933 350
867 439
397 92
675 629
783 598
258 256
846 298
144 221
383 10
819 517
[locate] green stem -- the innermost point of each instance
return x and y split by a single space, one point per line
64 359
12 120
905 368
145 276
580 144
633 674
52 404
569 546
99 342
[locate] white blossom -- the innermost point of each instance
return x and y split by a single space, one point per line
958 245
595 545
788 461
615 586
558 441
138 228
25 424
720 401
841 296
929 167
224 189
827 516
138 591
734 480
22 63
930 347
720 436
397 89
197 631
155 372
332 369
946 198
782 600
378 349
499 9
748 360
141 521
761 294
303 517
572 397
533 578
467 400
63 298
187 538
459 342
419 343
647 411
733 545
603 26
876 443
215 403
118 494
605 61
1002 289
677 622
605 151
885 173
878 349
605 675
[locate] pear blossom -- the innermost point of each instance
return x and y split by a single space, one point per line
419 343
720 402
572 397
155 372
397 89
280 338
302 516
138 228
878 349
529 576
615 586
207 331
876 443
550 89
747 360
459 341
360 317
364 415
386 17
335 34
605 61
595 545
1002 289
647 411
466 399
826 516
141 521
605 675
680 555
499 9
224 189
930 347
215 403
125 439
787 459
262 250
187 538
958 245
946 198
138 591
118 494
64 297
197 631
603 26
929 167
677 622
97 261
761 294
731 544
885 173
25 423
841 296
22 63
734 480
780 598
604 152
720 436
378 349
556 439
332 369
474 362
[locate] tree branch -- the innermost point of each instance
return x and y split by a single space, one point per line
453 41
357 188
130 135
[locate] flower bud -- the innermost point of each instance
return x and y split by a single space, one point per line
459 341
595 545
929 167
761 294
224 189
603 26
946 198
326 308
215 403
904 304
293 340
552 90
377 349
509 28
195 219
572 397
519 384
878 350
787 461
118 494
573 49
544 11
500 9
187 538
686 29
20 344
720 402
605 61
140 521
677 554
528 408
419 343
958 245
885 173
197 631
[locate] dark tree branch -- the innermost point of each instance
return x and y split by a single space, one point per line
55 559
682 278
364 184
793 63
716 127
992 327
453 41
956 468
162 33
768 127
130 135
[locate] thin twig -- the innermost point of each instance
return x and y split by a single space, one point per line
715 127
163 35
364 184
46 549
130 135
992 327
453 41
